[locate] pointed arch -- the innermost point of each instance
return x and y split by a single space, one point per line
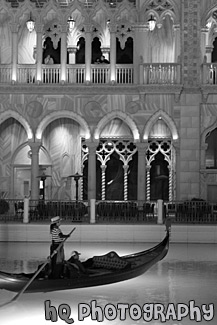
10 113
62 114
166 118
121 115
26 144
160 10
209 129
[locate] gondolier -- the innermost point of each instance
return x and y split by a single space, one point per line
57 237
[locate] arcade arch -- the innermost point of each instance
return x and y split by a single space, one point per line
160 132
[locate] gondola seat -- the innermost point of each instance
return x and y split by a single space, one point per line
110 261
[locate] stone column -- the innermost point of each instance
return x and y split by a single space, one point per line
106 52
141 177
209 49
113 53
204 41
136 61
92 170
72 51
190 42
63 54
35 146
177 171
14 49
39 31
88 52
177 42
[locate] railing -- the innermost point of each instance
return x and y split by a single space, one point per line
124 74
125 212
192 212
51 74
209 73
66 3
26 73
73 211
5 73
160 73
100 73
110 212
75 74
156 73
11 210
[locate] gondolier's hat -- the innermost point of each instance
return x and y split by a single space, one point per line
55 219
75 253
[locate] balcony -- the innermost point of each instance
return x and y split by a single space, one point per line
145 79
209 80
158 73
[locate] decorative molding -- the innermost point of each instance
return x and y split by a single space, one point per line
207 90
50 89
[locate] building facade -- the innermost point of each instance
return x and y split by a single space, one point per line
139 126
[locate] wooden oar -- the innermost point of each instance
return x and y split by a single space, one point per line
38 271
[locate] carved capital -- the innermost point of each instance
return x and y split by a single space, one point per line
72 49
39 27
204 96
92 145
14 27
112 28
142 147
64 28
88 28
35 146
209 48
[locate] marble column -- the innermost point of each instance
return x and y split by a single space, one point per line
63 54
176 172
14 49
88 52
209 49
204 41
136 67
177 45
39 32
141 177
113 53
72 53
35 147
92 170
106 52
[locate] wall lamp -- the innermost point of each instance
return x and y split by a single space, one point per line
71 24
30 24
151 23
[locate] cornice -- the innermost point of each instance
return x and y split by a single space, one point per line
207 90
90 89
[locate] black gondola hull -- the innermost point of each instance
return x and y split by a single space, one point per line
140 263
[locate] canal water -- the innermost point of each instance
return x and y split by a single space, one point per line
179 290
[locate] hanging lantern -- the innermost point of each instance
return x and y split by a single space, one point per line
71 24
30 24
151 23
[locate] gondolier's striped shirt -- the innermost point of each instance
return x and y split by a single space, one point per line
57 236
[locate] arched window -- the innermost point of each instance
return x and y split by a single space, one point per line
96 49
214 52
80 54
125 56
211 151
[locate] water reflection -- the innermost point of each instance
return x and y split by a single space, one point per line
188 273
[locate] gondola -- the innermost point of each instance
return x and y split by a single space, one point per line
105 269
